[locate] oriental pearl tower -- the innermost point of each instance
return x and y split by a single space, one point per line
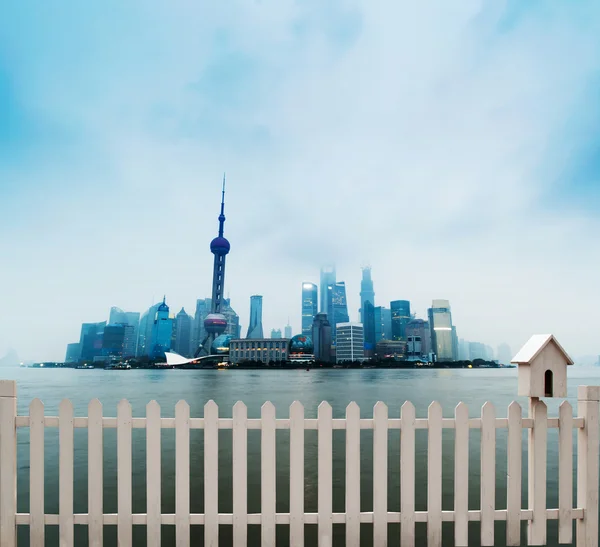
215 322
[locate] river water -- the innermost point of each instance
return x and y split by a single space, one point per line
282 387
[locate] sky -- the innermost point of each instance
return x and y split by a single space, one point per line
452 146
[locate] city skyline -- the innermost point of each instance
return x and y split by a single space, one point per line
460 168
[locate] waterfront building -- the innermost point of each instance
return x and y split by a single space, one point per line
203 307
309 306
276 333
129 340
367 292
443 336
233 319
301 349
132 318
338 306
368 313
255 328
265 350
162 331
321 336
327 279
391 349
73 353
350 344
463 350
383 323
288 330
504 354
400 312
215 322
183 331
418 338
145 330
90 340
112 340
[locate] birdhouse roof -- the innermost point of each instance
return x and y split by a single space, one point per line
534 347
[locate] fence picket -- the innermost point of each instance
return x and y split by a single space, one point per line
182 474
36 473
296 474
325 482
267 475
488 473
565 473
461 475
407 475
240 474
95 474
124 518
380 469
536 530
353 475
153 474
211 474
513 480
434 475
65 466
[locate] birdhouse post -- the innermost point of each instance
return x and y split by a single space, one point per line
542 369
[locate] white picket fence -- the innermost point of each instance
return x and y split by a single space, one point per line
584 512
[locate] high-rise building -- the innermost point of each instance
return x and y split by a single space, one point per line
321 336
203 307
255 329
215 322
366 291
276 333
233 320
113 339
309 306
73 353
145 330
132 318
129 341
400 311
288 330
90 340
327 278
383 323
338 307
183 331
443 336
418 338
504 354
162 331
368 313
350 344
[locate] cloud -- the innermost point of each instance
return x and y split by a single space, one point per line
434 140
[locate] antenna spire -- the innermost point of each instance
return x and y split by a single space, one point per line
222 215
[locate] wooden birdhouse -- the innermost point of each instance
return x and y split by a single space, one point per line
542 364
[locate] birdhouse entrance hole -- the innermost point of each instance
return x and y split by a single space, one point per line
548 384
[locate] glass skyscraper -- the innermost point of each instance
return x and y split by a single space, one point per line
327 278
309 306
366 291
255 329
400 310
336 303
443 334
383 324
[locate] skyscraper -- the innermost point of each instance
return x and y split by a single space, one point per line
368 312
215 322
73 353
321 336
255 329
504 354
418 337
275 333
183 331
145 331
288 330
90 340
383 324
162 331
112 340
203 307
309 306
442 334
131 318
338 306
350 342
233 319
366 291
327 278
400 310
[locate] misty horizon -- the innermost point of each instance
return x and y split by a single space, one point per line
452 148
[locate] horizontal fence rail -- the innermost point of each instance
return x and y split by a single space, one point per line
536 515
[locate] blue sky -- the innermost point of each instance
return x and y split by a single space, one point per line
451 145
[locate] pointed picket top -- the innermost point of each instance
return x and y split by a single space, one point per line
124 404
240 411
514 408
267 410
461 409
36 404
488 408
182 406
353 409
65 406
324 405
379 405
95 404
152 406
210 405
434 408
565 406
296 406
325 411
408 410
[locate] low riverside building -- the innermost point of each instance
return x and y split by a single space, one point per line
264 350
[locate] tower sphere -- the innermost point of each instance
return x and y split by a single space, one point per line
219 246
215 323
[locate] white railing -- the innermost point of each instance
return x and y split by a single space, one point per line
584 512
